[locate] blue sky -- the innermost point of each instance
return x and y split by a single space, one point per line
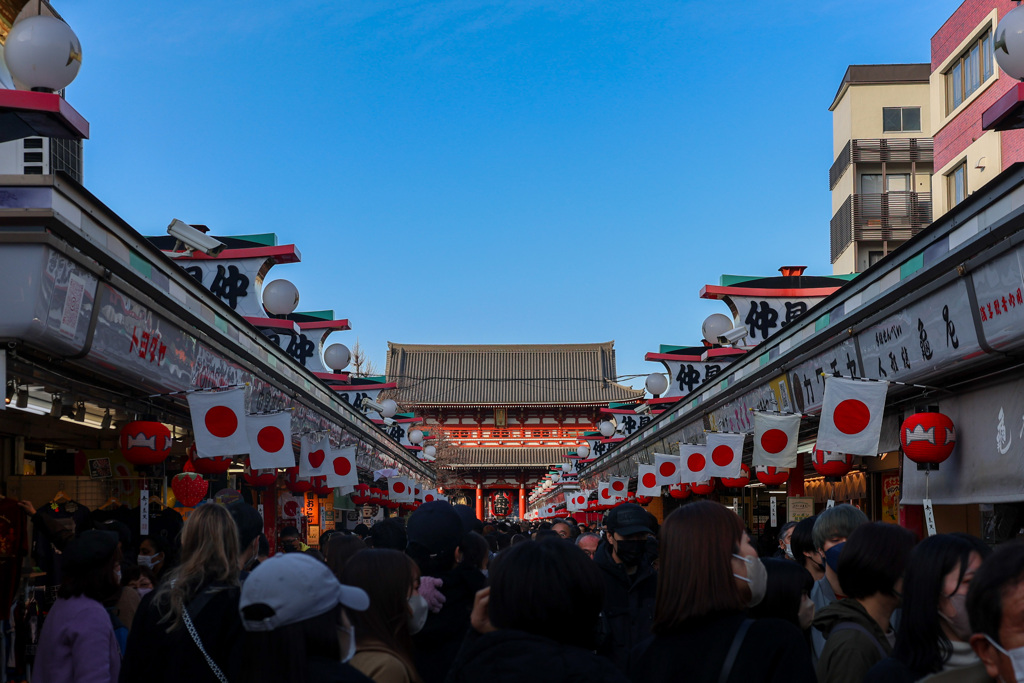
476 171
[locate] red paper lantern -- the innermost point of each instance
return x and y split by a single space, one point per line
376 496
679 491
772 476
643 500
740 481
259 479
145 442
928 438
361 495
294 483
320 487
385 500
189 488
218 465
832 468
704 488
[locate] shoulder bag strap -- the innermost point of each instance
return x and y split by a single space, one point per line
734 650
195 638
852 626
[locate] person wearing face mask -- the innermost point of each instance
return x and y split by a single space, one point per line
787 595
801 543
630 583
936 582
785 551
153 555
995 607
857 628
831 529
297 621
397 611
710 576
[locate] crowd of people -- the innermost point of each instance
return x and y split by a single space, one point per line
445 597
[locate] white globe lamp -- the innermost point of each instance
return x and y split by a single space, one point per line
337 356
430 451
715 325
416 437
389 408
280 297
656 383
583 451
607 428
43 53
1008 45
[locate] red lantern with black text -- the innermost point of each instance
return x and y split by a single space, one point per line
772 476
218 465
296 484
679 491
927 438
145 443
259 479
740 481
361 494
704 488
832 468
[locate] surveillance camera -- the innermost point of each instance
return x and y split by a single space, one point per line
389 421
642 408
373 405
194 239
734 336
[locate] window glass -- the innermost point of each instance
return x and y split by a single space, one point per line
958 87
898 182
891 119
911 118
972 69
871 183
986 53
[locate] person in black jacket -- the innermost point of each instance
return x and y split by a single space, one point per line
630 583
203 590
536 621
709 575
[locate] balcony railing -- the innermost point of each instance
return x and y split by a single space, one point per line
876 151
892 216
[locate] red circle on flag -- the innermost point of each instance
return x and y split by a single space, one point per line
605 493
580 500
398 487
851 416
342 466
316 458
774 441
695 462
221 421
270 439
722 455
429 498
667 469
650 480
618 485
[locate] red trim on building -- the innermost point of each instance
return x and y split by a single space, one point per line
286 253
722 353
337 325
665 399
333 376
669 356
273 323
24 113
718 292
367 387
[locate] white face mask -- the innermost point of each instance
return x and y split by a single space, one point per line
959 622
789 551
757 577
142 591
806 614
420 610
148 561
1016 657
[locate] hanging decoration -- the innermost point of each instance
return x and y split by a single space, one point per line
145 442
259 479
740 481
296 484
829 464
501 504
772 476
679 491
704 488
928 438
189 488
217 465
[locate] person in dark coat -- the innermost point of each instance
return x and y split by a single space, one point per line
709 575
857 631
631 583
204 589
537 620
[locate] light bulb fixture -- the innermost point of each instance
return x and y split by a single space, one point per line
80 412
337 357
12 388
416 437
607 428
43 53
656 383
55 406
107 419
280 297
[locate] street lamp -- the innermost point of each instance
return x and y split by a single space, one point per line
656 384
337 357
715 325
43 53
280 297
416 437
583 450
1009 43
607 428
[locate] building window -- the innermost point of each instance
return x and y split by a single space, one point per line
871 183
901 119
969 71
33 143
874 257
33 170
36 157
956 181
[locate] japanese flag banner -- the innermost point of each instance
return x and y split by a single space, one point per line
726 451
619 487
270 441
668 469
400 490
775 439
647 481
313 456
693 463
342 471
851 416
218 421
577 501
431 495
604 493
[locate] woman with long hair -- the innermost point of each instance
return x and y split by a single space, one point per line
397 610
934 630
189 628
709 575
340 549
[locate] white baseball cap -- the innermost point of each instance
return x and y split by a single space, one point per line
296 587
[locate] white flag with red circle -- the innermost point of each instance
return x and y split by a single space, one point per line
314 456
725 455
218 422
775 439
431 495
604 493
647 480
577 500
400 490
668 469
693 461
270 441
619 487
342 469
851 416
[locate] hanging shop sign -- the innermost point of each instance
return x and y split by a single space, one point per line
501 504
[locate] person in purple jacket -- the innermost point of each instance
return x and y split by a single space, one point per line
77 643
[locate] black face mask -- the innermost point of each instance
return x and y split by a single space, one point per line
630 553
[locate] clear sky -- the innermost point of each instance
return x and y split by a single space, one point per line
485 171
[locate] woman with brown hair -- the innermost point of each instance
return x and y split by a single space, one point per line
189 628
396 611
709 576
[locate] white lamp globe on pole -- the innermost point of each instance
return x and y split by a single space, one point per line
416 437
43 53
337 357
607 428
656 383
583 450
1009 43
715 325
430 451
389 408
280 297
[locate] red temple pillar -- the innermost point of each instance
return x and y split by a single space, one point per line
795 486
479 502
522 500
